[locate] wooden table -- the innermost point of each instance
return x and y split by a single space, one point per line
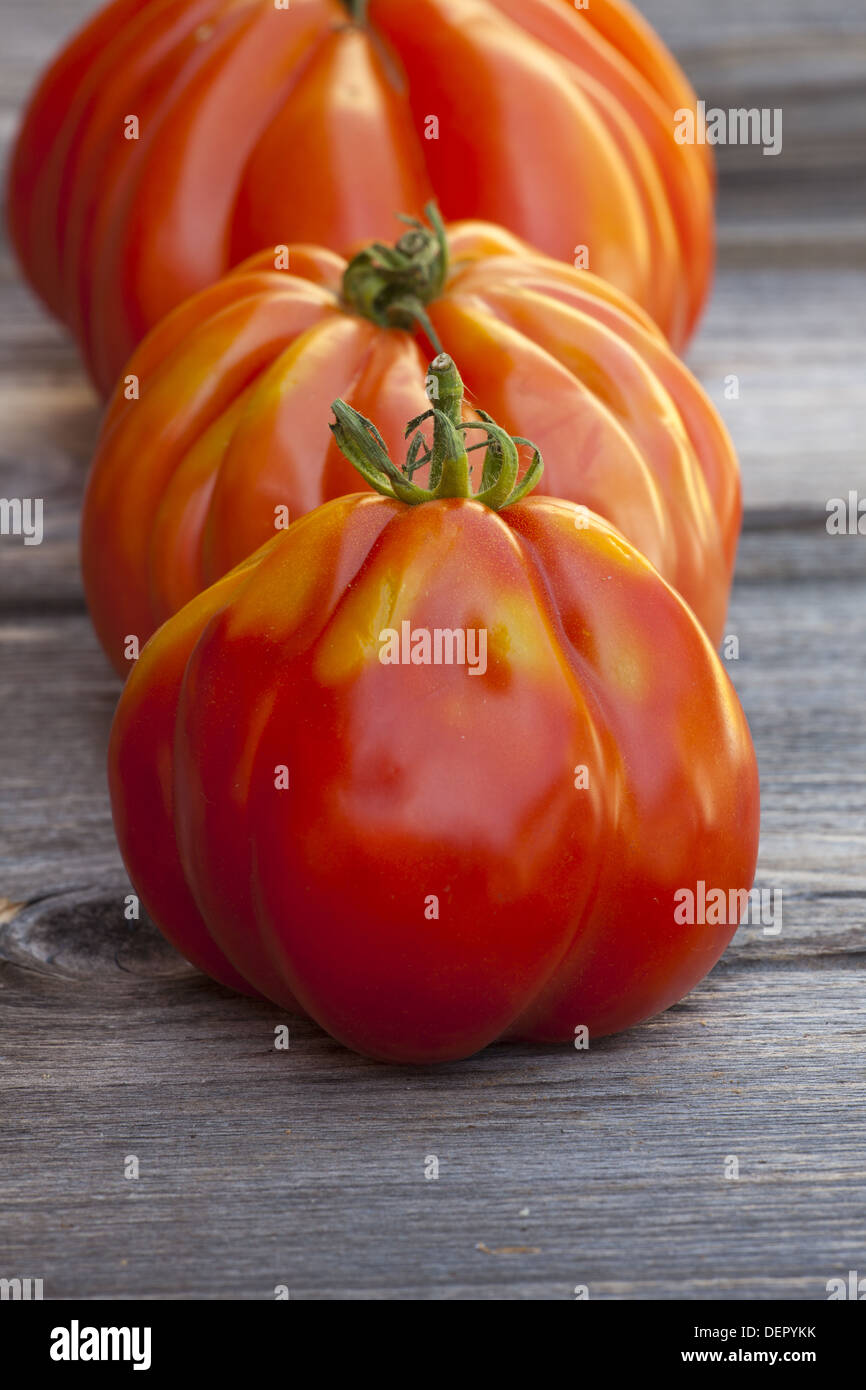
606 1168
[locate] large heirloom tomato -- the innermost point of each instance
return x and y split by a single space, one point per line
173 138
439 773
229 434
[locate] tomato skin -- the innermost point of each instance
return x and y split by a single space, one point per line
409 783
144 736
235 393
259 126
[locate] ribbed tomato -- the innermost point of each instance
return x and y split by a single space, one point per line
229 432
425 855
173 138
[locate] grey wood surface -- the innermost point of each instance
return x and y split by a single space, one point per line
305 1167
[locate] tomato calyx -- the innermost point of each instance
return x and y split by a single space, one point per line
447 454
357 11
392 285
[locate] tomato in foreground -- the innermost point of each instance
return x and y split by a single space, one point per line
225 432
426 855
172 138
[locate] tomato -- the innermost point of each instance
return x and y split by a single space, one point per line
173 138
229 432
428 854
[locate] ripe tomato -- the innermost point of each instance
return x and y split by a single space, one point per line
173 138
428 855
229 434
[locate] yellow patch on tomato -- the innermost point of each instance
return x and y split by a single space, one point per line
353 637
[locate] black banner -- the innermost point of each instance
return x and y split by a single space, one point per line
151 1338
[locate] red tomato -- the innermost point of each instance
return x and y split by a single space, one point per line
230 432
173 138
425 856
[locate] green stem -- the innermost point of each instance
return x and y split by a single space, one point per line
447 455
392 285
358 11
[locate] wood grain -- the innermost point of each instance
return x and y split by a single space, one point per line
305 1167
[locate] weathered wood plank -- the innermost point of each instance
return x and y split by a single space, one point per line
557 1168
